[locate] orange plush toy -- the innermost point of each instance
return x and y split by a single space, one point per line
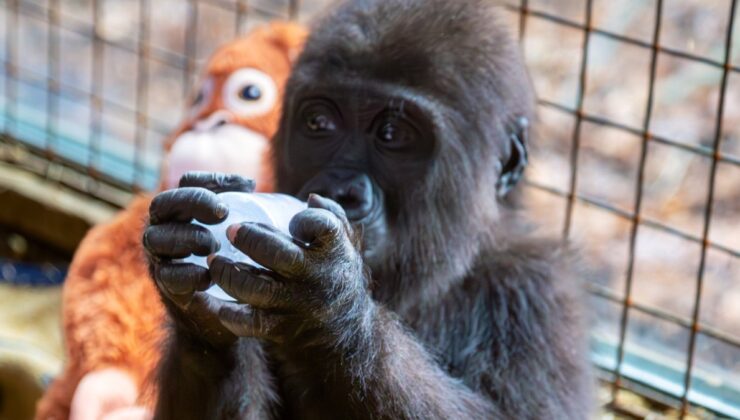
112 314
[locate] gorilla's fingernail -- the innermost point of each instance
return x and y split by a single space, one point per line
210 258
314 199
221 210
231 232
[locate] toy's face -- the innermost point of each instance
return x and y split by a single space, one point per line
234 112
217 135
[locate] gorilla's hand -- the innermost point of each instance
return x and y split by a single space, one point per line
315 283
170 235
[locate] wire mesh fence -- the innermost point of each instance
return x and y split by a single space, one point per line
660 309
637 151
91 88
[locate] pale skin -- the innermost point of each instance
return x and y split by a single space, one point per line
108 394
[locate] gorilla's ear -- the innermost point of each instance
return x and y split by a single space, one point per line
513 168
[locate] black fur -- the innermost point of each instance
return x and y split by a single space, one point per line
448 308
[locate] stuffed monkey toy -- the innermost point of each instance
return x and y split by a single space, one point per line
113 318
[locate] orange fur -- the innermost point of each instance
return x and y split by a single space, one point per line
270 49
112 315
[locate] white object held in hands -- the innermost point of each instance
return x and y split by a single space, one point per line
270 209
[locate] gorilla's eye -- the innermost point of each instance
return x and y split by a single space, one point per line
387 133
394 134
320 123
250 93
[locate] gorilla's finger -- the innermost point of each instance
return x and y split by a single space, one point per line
267 246
202 311
176 240
217 182
249 284
319 202
179 281
245 321
186 204
317 227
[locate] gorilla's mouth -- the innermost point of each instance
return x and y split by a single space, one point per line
363 209
358 195
361 199
372 232
372 229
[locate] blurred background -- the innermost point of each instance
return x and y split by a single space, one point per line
636 157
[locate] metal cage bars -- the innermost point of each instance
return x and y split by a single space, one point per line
47 162
638 200
693 324
708 208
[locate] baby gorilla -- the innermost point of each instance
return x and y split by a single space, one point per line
405 290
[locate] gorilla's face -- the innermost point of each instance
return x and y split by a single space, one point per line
364 148
412 129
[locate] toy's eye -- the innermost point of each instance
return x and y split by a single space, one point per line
249 92
202 97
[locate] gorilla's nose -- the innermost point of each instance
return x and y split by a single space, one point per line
353 191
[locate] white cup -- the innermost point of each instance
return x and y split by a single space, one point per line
270 209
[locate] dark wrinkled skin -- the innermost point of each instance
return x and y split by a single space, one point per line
407 289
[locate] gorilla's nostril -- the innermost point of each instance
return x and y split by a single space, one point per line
342 176
349 201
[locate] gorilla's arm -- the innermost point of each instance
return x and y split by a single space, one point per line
192 377
504 336
202 361
332 342
506 342
388 374
195 377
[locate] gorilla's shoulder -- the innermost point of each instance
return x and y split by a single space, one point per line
525 260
